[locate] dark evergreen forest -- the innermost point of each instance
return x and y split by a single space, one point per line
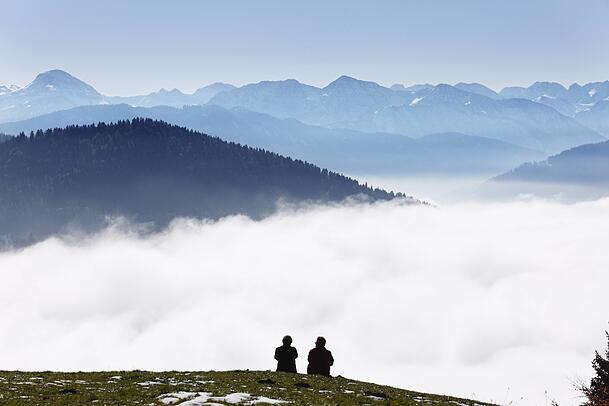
148 171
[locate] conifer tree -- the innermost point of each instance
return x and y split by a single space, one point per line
597 393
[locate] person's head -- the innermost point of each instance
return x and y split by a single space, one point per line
287 340
320 342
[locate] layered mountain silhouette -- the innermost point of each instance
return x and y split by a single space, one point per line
340 104
574 174
545 116
340 149
588 104
173 98
568 101
148 171
584 165
50 91
57 90
364 106
597 117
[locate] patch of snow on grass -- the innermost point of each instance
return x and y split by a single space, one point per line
171 398
148 383
198 399
233 398
377 398
264 399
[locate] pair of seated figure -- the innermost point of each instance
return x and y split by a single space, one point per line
320 359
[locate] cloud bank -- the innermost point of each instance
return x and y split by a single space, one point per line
502 302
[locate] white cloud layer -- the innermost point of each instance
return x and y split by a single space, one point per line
499 302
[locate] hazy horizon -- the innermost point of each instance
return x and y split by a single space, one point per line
318 85
239 42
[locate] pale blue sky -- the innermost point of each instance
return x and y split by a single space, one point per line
127 47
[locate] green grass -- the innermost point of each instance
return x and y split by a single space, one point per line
146 388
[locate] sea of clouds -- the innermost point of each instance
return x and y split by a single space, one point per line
504 302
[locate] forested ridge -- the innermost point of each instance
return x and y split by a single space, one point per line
149 171
586 164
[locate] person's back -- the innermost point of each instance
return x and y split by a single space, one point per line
286 356
320 359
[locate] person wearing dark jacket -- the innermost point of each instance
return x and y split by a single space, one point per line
286 356
320 359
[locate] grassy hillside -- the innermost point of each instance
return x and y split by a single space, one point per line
198 388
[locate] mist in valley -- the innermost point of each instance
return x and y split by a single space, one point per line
424 184
494 301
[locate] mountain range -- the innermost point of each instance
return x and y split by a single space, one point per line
366 106
528 117
344 150
49 91
57 90
339 104
568 101
173 98
149 172
587 103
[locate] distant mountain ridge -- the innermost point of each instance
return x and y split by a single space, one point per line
173 98
149 171
586 164
575 98
528 117
339 149
580 173
369 107
587 103
57 90
341 102
49 91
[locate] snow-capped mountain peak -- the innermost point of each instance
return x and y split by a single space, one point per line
56 79
50 91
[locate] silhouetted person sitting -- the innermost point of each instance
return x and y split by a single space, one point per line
286 356
320 359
